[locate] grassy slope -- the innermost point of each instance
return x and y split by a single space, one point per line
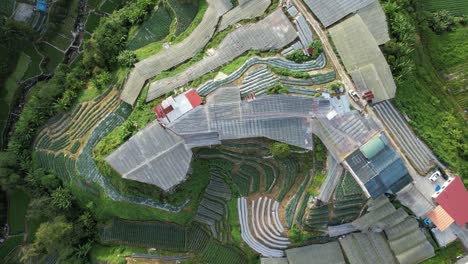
447 255
113 254
433 112
456 7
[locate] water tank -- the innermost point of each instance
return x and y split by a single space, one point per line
437 188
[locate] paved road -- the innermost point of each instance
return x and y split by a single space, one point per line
349 84
323 36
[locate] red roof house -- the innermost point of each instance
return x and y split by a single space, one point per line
173 108
453 198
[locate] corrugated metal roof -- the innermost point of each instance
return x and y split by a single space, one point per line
440 218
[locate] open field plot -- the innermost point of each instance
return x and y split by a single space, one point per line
53 57
8 92
60 41
217 253
159 235
456 7
34 68
110 5
176 54
185 12
62 36
6 7
93 4
56 150
9 246
348 200
251 173
154 29
17 205
92 22
273 32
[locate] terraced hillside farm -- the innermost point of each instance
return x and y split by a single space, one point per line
455 7
154 29
185 11
7 7
348 201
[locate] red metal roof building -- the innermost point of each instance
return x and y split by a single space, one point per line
453 198
173 108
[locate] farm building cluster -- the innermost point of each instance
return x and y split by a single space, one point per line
229 118
240 106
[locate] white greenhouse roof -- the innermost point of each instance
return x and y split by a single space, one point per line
363 58
331 11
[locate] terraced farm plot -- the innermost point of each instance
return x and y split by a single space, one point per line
346 206
61 41
34 67
219 254
162 236
93 22
10 89
109 6
6 7
53 57
17 205
456 7
156 28
93 4
8 246
185 12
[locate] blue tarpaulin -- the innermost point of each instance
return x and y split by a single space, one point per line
41 5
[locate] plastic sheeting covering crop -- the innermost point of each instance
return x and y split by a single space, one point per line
331 11
245 10
87 167
176 54
212 85
273 32
363 58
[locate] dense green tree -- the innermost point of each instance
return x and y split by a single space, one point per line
52 236
442 21
9 170
280 150
62 198
127 58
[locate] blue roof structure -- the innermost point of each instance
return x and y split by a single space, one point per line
41 5
383 172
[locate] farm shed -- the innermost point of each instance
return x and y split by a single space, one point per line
172 108
331 11
363 58
176 54
317 254
378 167
273 32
